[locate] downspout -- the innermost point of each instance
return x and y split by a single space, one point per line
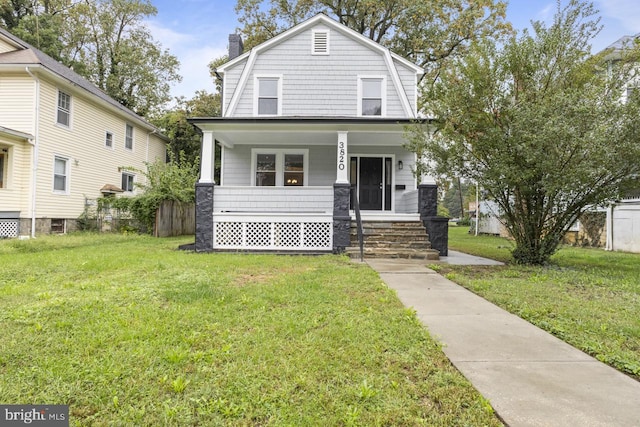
35 152
147 153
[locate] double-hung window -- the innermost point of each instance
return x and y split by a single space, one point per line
278 167
108 140
127 181
128 137
268 101
64 109
60 174
371 96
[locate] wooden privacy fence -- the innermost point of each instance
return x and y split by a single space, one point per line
175 219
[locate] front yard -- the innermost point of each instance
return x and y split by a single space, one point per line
128 331
589 298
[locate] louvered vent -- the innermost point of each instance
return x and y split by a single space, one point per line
321 42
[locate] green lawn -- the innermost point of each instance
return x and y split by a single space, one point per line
590 298
128 331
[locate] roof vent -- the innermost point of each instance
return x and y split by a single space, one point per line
320 42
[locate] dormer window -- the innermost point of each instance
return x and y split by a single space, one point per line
371 96
320 42
268 100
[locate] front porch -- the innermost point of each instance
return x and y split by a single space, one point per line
296 219
289 184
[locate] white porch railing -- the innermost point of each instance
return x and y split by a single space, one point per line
269 231
273 218
273 199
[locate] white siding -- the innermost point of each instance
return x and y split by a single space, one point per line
16 193
91 164
17 108
6 47
626 228
318 85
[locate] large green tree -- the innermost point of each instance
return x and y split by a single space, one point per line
184 136
427 33
105 41
540 124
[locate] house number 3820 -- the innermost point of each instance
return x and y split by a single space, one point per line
341 153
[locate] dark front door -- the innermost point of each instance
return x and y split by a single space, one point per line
370 183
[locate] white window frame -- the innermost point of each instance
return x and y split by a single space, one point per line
60 109
108 136
279 153
67 174
256 93
383 93
133 181
313 42
128 138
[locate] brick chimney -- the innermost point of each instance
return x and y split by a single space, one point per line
236 47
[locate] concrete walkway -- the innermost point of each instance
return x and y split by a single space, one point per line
530 377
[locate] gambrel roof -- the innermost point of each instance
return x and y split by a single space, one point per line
388 56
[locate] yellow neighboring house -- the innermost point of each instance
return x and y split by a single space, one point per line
63 143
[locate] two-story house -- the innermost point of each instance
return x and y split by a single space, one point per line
307 116
63 143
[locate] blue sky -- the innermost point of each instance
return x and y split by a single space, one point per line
196 31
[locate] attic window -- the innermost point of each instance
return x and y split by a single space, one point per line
320 42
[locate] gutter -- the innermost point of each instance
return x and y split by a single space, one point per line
36 140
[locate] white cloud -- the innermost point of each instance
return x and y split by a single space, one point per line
626 12
194 51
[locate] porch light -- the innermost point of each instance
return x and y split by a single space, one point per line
400 165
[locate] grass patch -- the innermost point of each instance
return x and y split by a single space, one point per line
589 298
128 331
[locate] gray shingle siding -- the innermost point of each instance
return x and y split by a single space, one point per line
237 164
319 85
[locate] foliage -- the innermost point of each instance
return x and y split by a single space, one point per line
427 33
593 225
183 135
39 23
539 123
105 41
587 297
174 180
128 331
457 196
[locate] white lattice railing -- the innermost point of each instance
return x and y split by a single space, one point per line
285 232
9 227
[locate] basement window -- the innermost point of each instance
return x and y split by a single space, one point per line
58 226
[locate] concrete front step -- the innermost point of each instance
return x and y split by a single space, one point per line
397 245
426 254
390 239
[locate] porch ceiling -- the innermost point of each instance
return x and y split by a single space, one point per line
304 131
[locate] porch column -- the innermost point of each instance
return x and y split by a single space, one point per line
341 198
208 160
204 195
342 176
